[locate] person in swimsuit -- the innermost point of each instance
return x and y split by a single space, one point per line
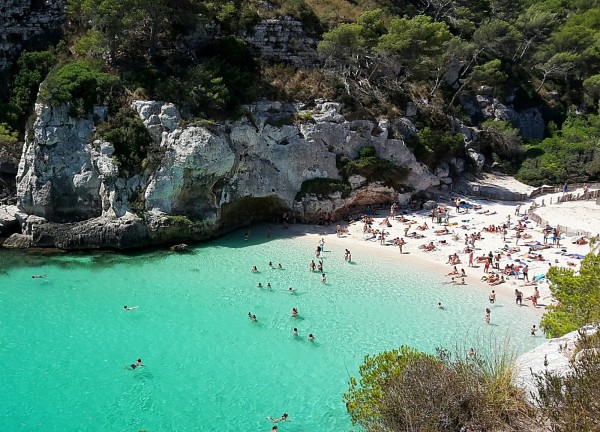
269 285
39 276
311 337
440 306
136 364
294 312
533 330
323 278
127 308
492 297
274 428
488 314
254 269
519 297
295 331
283 417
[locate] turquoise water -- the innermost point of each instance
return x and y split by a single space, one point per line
65 341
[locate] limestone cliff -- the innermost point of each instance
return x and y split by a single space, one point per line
210 179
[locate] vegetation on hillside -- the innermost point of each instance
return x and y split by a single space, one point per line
378 55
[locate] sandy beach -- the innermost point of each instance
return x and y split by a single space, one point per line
530 250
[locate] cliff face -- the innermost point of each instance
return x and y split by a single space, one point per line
210 179
27 24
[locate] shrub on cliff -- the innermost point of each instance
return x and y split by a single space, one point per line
32 68
374 169
404 389
130 138
324 187
81 84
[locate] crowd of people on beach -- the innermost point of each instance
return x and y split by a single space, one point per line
499 268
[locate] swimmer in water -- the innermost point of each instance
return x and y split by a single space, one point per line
280 266
259 285
39 276
274 428
323 278
312 266
270 264
137 364
284 417
311 337
246 236
254 269
295 331
127 308
291 290
269 285
294 312
440 306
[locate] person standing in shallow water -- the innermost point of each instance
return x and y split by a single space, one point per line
488 314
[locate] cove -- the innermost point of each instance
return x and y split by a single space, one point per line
65 341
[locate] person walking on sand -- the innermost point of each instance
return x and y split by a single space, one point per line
535 297
401 245
526 273
519 297
488 314
470 258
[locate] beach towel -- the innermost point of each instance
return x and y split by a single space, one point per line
539 277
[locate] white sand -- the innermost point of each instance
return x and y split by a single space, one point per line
466 223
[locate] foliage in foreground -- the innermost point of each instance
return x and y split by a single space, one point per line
571 402
404 389
578 297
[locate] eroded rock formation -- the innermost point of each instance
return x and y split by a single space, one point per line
210 179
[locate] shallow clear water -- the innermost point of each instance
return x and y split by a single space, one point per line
65 341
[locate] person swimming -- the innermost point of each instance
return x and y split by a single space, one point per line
39 276
323 278
137 364
440 306
127 308
294 312
268 285
284 417
295 331
311 337
254 269
259 285
291 290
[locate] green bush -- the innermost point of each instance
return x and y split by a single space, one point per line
572 154
7 136
406 390
374 169
32 68
130 138
80 84
324 187
435 146
578 297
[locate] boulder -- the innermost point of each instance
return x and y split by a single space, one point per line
554 355
429 205
477 158
17 241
